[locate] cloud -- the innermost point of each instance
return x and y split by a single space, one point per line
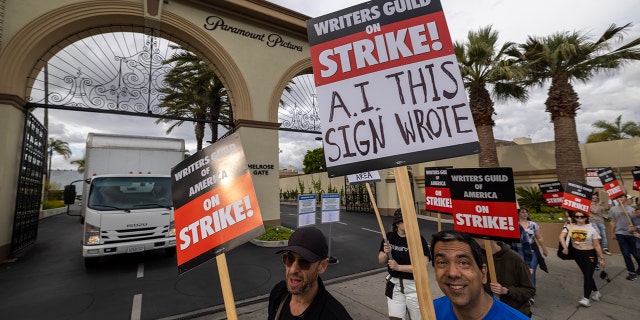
604 97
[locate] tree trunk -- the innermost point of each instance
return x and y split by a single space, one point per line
568 155
488 157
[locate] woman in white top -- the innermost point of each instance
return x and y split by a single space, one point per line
587 252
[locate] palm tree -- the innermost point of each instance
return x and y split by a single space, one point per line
80 164
488 72
563 58
59 147
610 131
194 90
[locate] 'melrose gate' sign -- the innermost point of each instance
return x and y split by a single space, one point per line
389 87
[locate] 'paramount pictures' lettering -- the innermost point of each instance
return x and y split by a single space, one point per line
271 40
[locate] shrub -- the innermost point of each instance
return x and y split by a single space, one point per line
52 204
530 198
275 233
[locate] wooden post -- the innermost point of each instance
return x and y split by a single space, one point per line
420 272
490 264
375 209
225 283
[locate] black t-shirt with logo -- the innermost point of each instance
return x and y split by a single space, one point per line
400 253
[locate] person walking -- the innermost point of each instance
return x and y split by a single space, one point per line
513 286
401 289
527 248
624 235
586 252
597 217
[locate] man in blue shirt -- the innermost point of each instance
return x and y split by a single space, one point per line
461 274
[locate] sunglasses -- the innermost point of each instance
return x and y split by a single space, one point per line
579 217
288 259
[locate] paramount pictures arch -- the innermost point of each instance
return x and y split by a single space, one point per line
255 67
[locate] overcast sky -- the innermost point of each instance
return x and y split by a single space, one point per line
603 98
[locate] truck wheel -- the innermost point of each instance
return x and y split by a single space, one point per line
170 252
91 263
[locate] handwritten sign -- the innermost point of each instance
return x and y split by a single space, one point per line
389 87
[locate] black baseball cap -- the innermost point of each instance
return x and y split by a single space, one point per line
309 242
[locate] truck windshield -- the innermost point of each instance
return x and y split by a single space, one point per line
126 193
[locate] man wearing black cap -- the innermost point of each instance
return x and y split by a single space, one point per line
302 294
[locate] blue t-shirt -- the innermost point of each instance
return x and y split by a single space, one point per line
499 311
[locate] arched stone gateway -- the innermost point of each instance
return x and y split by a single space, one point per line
254 46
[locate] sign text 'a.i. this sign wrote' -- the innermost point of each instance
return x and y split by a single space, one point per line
389 88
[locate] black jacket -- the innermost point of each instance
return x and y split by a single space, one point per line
324 305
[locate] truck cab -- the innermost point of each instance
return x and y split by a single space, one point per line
127 214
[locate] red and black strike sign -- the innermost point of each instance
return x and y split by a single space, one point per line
636 178
552 192
610 183
577 197
216 203
591 177
484 202
436 190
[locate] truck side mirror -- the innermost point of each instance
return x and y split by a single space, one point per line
69 194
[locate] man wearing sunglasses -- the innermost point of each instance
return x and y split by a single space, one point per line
302 294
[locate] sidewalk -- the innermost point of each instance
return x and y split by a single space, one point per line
557 295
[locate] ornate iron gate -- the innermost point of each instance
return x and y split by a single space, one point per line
357 198
32 168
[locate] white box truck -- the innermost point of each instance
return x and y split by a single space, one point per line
126 203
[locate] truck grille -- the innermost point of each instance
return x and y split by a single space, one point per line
127 235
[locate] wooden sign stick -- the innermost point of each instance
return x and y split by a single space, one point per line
225 283
492 267
420 272
375 208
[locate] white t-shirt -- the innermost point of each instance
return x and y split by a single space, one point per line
584 234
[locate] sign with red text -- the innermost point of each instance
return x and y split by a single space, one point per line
591 177
389 87
636 178
216 204
552 192
484 202
577 197
610 183
437 195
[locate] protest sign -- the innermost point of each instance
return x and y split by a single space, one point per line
591 177
306 210
330 206
610 183
636 178
363 177
216 204
436 190
389 87
577 197
484 202
552 192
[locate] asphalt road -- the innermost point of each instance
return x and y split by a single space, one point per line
51 282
